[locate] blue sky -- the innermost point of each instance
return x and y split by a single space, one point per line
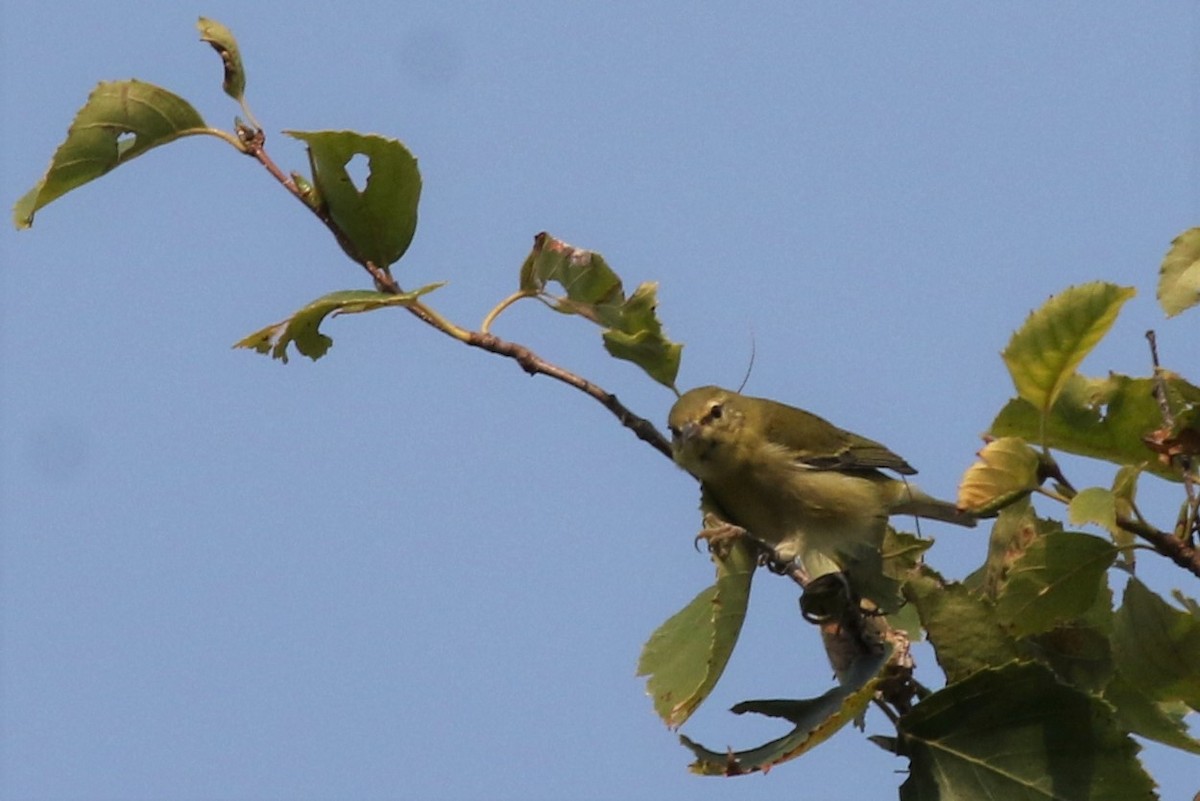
408 570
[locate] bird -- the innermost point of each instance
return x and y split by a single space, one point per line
814 494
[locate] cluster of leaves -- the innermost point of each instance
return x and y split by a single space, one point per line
374 224
1045 679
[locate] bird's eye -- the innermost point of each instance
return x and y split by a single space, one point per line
674 430
715 412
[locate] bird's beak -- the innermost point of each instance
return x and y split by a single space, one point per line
687 432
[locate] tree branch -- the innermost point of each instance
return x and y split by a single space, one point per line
1166 544
254 140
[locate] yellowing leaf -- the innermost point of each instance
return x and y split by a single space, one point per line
815 720
1045 351
1179 276
1007 470
687 654
303 328
377 221
119 122
1095 505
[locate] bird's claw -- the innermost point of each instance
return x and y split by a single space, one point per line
718 535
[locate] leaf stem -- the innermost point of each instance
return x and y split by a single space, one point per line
520 294
252 141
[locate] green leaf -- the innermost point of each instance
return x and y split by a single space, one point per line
1006 471
378 221
815 720
1095 505
120 121
1045 351
962 627
303 328
1056 579
221 39
1078 654
1157 647
632 331
1141 715
687 654
1016 732
1179 277
1101 418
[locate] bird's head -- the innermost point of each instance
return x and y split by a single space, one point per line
706 426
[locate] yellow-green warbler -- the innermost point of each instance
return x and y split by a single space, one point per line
794 481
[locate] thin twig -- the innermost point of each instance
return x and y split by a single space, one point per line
254 140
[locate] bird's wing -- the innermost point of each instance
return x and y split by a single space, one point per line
824 446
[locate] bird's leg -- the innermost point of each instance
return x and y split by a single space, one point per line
718 535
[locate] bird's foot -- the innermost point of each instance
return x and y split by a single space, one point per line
718 535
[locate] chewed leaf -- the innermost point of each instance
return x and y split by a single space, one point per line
1043 354
221 39
1104 418
815 721
1007 469
120 121
303 328
1179 277
632 330
378 221
687 654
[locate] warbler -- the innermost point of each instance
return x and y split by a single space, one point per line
810 491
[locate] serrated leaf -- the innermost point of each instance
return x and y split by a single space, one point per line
1006 471
1157 647
1045 351
815 720
1016 732
632 331
1055 579
302 329
1143 716
1095 505
1179 276
1102 418
962 626
1078 654
120 121
221 39
378 221
687 654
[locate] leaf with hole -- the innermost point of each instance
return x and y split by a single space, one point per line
120 121
1102 418
376 222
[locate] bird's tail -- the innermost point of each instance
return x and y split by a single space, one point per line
913 501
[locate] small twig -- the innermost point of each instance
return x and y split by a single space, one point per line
1175 549
1192 514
